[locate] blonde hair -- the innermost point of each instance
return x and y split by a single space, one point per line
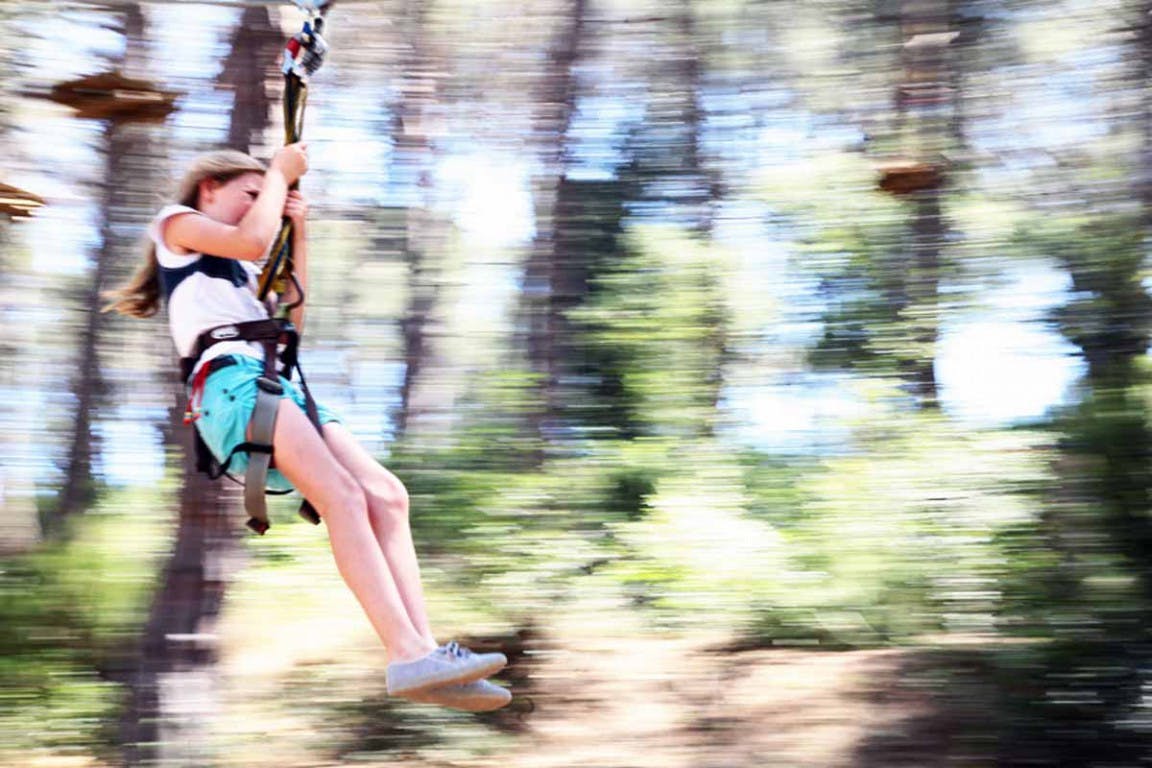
140 296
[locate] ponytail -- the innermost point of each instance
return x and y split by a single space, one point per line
140 296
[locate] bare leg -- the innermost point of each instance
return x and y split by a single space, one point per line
388 510
303 458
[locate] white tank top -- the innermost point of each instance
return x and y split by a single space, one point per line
202 292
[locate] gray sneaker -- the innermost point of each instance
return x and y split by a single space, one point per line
450 664
477 696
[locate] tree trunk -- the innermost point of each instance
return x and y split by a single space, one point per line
1099 673
1144 185
922 283
414 154
705 187
173 690
927 101
1130 481
544 305
89 387
254 44
20 527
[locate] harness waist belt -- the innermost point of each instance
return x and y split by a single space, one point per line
223 361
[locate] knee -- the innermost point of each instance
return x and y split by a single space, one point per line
387 501
343 496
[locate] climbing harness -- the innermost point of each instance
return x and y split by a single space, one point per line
280 341
303 55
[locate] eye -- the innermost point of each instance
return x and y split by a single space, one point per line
251 195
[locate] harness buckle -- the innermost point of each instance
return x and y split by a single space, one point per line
270 386
258 525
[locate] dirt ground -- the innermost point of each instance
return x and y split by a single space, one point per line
661 702
656 701
590 692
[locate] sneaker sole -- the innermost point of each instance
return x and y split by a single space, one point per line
450 677
468 702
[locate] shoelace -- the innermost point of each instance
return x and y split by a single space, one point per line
455 650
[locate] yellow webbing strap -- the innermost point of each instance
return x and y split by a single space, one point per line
275 275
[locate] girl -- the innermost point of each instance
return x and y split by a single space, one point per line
230 206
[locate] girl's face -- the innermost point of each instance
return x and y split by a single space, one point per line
228 202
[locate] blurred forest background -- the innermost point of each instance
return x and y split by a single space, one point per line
770 380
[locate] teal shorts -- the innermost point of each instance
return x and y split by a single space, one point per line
226 408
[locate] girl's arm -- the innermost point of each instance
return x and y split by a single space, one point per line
251 238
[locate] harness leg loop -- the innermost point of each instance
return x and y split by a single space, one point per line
263 425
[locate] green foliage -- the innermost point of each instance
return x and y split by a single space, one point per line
880 314
451 495
864 558
778 486
1110 314
842 551
654 313
1035 540
68 613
